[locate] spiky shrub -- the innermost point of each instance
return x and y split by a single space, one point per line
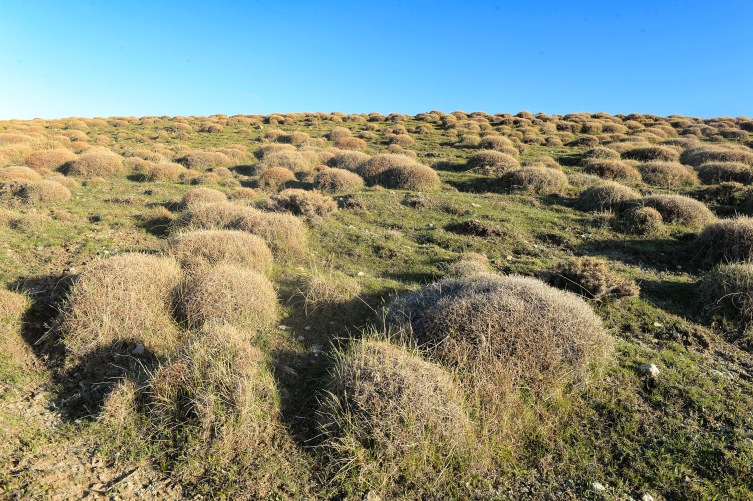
403 140
50 159
728 240
601 153
656 152
285 234
591 277
349 160
391 417
202 196
327 291
608 195
727 289
410 176
642 220
513 328
611 169
164 172
228 293
469 140
720 172
339 133
670 175
290 160
46 192
538 179
493 162
680 209
295 138
302 203
97 162
17 172
275 178
494 143
214 396
203 160
706 153
337 181
120 301
377 165
198 248
350 143
469 264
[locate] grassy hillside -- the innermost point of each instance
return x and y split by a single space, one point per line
330 306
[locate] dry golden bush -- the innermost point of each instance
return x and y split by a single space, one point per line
656 152
511 328
350 143
203 160
198 248
202 196
17 172
728 289
493 162
611 169
13 155
210 127
389 414
469 264
670 175
295 138
302 203
410 176
46 192
245 194
143 154
680 209
290 160
97 162
51 159
728 240
705 153
228 293
339 133
375 166
494 143
275 178
164 172
285 234
643 220
121 301
591 277
337 181
328 290
720 172
539 179
608 195
469 140
403 140
349 160
64 180
601 153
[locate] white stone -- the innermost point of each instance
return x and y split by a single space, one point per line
647 497
596 486
138 350
650 369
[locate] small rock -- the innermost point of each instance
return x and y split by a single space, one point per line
300 338
372 496
360 273
647 497
650 369
307 328
657 324
597 487
475 205
509 258
687 479
748 442
317 348
138 350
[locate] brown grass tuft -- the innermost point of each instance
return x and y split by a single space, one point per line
97 162
608 195
377 165
680 209
164 172
601 153
203 160
302 203
339 133
337 181
661 153
350 143
228 293
728 289
290 160
46 192
611 169
202 196
495 143
728 240
51 159
720 172
591 277
120 301
706 153
643 220
493 162
327 291
539 179
410 176
198 248
670 175
349 160
275 178
469 264
17 172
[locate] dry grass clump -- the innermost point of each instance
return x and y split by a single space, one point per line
655 152
591 277
668 175
290 160
97 162
302 203
275 178
728 289
349 160
339 133
728 240
410 176
643 220
706 153
17 172
285 234
680 209
12 305
469 264
350 143
510 327
327 291
50 159
269 149
388 414
296 138
46 192
539 179
601 153
337 181
203 160
198 248
403 140
214 396
164 172
611 169
120 301
494 143
720 172
202 196
374 167
608 195
228 293
493 162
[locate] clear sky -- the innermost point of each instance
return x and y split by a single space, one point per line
61 58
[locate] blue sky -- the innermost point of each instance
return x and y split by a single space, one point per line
109 58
